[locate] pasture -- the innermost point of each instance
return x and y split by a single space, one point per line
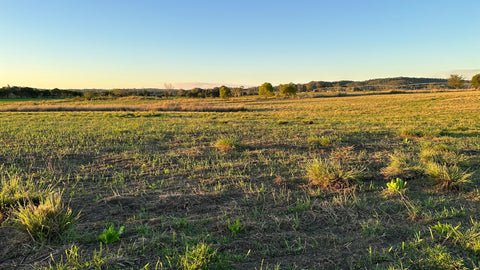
295 183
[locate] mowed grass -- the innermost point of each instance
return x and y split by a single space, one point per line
188 198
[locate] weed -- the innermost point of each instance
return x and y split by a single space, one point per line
74 259
331 174
235 228
111 235
396 187
49 220
372 227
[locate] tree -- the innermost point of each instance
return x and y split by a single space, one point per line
225 92
266 90
288 89
455 81
476 81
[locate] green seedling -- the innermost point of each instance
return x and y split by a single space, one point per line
397 186
235 228
111 235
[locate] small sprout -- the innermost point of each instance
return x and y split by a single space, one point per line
397 186
111 235
235 228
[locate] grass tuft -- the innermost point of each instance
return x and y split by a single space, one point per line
199 257
331 174
447 177
50 220
226 144
403 165
14 191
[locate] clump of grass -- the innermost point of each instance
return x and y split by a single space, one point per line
330 174
282 122
403 165
411 133
315 140
226 144
468 239
14 191
75 259
447 178
441 154
49 220
199 257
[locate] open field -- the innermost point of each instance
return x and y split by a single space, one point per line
253 189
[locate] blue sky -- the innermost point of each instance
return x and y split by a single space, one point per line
147 43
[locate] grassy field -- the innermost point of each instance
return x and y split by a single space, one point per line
285 184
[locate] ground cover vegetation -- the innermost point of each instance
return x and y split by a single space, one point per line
349 182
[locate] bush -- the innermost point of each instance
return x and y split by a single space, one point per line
288 89
49 220
331 174
225 92
476 81
455 81
266 90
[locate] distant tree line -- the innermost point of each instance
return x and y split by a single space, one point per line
265 90
28 92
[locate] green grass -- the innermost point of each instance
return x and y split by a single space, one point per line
308 195
50 220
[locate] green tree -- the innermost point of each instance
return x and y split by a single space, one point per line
225 92
455 81
266 90
476 81
288 89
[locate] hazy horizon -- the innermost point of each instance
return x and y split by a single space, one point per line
147 44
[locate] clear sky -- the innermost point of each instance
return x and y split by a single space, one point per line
147 43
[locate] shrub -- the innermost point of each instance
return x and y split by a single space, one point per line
225 92
476 81
331 174
266 90
455 81
49 220
288 89
447 177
